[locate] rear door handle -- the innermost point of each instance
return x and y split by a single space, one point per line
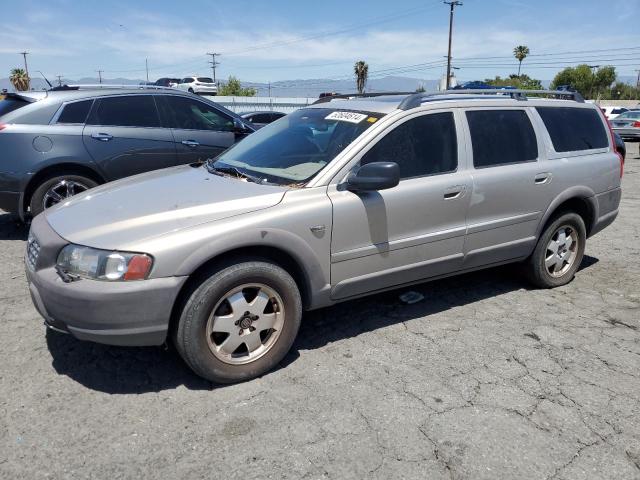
103 137
542 178
190 143
455 191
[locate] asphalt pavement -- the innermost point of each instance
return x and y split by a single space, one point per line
485 378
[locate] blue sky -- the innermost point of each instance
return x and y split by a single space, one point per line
286 39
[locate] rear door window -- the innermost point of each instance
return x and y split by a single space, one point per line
501 137
125 111
205 80
574 129
75 112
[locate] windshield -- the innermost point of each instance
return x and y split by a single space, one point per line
10 104
295 148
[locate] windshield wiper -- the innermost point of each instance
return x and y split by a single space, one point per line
230 170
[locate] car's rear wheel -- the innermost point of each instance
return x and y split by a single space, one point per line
239 322
559 252
56 189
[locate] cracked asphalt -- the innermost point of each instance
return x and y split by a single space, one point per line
483 379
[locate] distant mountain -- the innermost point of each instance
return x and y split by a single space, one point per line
310 88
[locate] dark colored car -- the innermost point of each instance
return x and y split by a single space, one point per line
166 82
260 119
58 143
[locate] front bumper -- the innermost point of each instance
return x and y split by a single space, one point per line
133 313
205 90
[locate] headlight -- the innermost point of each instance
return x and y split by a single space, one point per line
103 264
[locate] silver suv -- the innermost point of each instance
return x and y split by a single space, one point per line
342 199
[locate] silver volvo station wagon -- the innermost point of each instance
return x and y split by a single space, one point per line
345 198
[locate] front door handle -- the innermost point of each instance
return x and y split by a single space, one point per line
103 137
542 178
190 143
455 191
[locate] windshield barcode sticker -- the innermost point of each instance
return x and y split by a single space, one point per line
346 117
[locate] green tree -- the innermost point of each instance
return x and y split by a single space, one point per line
520 52
523 82
584 80
361 71
621 91
233 88
19 79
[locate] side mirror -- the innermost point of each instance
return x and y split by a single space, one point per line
240 127
374 176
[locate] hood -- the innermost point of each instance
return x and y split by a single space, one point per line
144 206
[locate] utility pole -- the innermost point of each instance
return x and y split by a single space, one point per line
59 77
146 66
99 75
638 81
214 64
453 4
593 77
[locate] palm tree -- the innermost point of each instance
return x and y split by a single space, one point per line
520 52
361 70
19 79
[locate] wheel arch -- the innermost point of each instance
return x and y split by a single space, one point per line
580 200
55 170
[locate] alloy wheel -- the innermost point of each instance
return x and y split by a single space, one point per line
245 324
562 251
60 191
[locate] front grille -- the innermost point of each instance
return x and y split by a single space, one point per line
33 250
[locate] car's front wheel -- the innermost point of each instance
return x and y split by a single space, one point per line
559 252
239 322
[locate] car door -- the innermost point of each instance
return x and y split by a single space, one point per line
413 231
512 185
124 136
200 130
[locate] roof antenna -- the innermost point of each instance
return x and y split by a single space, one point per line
45 78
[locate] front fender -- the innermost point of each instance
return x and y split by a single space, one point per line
316 278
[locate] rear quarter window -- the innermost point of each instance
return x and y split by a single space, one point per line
75 112
574 129
10 104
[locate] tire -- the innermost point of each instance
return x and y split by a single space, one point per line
64 186
209 327
546 269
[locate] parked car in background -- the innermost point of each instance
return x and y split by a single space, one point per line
56 144
339 200
167 82
613 112
198 85
627 125
260 119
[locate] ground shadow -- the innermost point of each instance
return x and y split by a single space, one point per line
11 228
119 370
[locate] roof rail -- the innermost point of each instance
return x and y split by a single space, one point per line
348 96
81 86
416 99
